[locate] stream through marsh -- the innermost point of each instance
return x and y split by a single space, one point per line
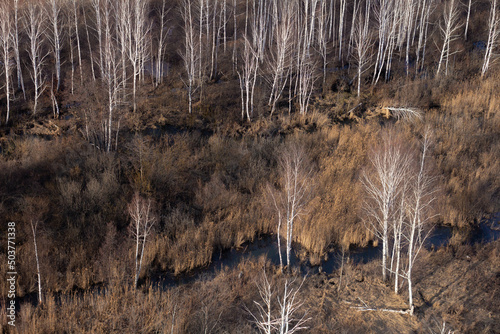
488 230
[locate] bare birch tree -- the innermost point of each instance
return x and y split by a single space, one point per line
162 41
281 317
289 305
218 24
421 199
137 48
6 50
20 80
56 36
264 318
190 56
387 17
75 8
33 18
322 37
87 34
449 30
111 77
383 181
278 59
296 176
71 56
141 225
341 26
469 6
493 34
362 45
235 36
34 226
398 227
123 17
407 28
423 27
306 78
96 5
248 78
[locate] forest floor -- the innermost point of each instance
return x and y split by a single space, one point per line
456 287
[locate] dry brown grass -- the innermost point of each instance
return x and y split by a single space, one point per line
454 285
476 97
207 171
460 285
210 190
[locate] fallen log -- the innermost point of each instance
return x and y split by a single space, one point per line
366 308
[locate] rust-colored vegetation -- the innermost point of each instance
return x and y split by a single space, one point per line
211 176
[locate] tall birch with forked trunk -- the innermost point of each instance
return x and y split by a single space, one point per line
33 21
419 207
278 308
449 30
247 78
383 180
401 194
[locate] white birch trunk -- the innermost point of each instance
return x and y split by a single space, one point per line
20 80
493 34
6 39
39 278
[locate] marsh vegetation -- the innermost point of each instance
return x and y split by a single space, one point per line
142 141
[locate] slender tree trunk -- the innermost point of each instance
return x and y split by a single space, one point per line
279 241
467 20
90 45
341 268
33 229
235 38
77 34
410 266
97 8
5 50
56 38
72 62
451 25
341 26
385 249
20 80
493 34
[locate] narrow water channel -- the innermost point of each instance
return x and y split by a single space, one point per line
488 230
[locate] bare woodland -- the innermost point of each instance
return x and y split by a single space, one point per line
283 50
251 166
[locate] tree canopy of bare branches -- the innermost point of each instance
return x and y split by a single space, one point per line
279 306
401 196
296 190
142 221
383 180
